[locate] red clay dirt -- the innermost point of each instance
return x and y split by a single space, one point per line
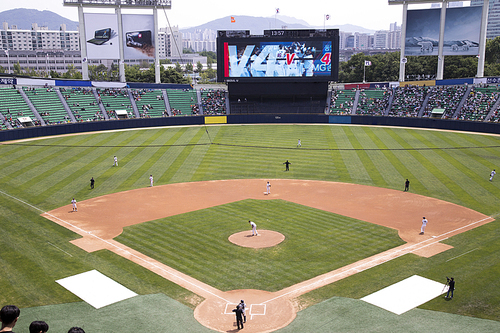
101 219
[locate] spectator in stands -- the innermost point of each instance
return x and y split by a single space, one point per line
9 315
39 326
76 330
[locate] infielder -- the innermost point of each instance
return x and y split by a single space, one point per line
268 187
254 228
73 202
151 180
299 143
115 159
424 223
492 174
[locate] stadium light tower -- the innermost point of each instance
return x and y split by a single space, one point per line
118 5
444 6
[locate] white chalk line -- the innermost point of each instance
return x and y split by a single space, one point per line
60 249
119 248
463 254
391 254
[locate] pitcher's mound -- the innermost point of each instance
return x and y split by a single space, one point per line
266 238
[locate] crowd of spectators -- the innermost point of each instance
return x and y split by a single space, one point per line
478 104
213 101
373 102
342 101
444 97
407 101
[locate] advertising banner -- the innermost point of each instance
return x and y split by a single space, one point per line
461 34
101 32
138 36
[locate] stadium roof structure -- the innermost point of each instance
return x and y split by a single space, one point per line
400 2
120 3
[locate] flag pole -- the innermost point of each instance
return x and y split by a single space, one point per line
364 72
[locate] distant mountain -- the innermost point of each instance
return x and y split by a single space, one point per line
23 18
257 25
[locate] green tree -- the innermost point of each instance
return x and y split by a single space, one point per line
199 67
98 72
189 67
178 67
72 73
17 68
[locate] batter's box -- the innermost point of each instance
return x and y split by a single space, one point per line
229 308
258 309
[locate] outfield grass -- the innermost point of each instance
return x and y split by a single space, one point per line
48 173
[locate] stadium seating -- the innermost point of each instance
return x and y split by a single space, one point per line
479 103
150 103
47 103
407 101
444 97
342 101
115 99
181 101
13 106
83 104
373 102
213 101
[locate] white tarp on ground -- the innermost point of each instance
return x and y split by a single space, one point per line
96 289
406 295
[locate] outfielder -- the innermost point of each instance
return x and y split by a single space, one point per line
151 180
254 228
493 173
115 159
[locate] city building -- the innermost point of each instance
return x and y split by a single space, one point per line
493 28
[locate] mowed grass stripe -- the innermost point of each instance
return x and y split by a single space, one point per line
337 163
371 170
195 243
439 163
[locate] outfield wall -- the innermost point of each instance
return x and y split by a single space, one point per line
41 131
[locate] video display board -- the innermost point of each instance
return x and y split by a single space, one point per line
285 56
101 31
138 36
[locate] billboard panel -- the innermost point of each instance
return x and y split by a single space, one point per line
138 36
101 31
266 58
461 34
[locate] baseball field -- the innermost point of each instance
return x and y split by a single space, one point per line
43 175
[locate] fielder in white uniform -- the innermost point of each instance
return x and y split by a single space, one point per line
73 202
493 173
115 163
254 228
424 223
268 187
151 180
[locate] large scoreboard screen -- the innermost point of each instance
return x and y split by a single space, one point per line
278 55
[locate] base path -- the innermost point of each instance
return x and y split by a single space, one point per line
101 219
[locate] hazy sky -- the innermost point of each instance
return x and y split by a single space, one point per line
370 14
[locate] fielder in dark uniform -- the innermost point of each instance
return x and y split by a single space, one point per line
239 316
287 165
451 288
407 185
92 181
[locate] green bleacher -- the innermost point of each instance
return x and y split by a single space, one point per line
182 100
341 101
479 103
207 95
49 106
115 99
153 98
83 104
13 101
373 102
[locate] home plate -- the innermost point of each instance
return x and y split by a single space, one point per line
96 289
406 295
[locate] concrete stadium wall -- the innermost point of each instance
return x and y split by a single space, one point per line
41 131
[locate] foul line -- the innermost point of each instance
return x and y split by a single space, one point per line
117 247
463 254
393 254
